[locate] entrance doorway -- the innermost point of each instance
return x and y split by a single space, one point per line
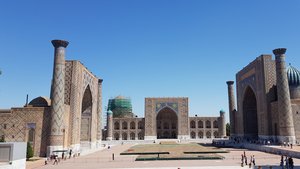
250 114
166 124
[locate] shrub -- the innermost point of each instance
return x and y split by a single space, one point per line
29 152
2 139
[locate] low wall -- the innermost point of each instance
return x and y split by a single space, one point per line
273 150
13 155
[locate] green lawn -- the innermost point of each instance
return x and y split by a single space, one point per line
174 151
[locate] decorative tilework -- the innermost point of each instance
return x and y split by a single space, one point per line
161 105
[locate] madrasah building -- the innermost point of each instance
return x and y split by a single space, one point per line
268 101
72 117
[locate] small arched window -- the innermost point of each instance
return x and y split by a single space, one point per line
193 124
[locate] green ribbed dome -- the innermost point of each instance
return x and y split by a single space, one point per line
293 76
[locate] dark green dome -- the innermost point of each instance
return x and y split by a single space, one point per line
293 76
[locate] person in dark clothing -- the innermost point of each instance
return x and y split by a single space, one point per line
70 153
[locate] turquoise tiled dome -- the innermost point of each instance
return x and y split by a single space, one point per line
109 112
293 76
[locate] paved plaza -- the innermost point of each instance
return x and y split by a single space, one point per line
103 159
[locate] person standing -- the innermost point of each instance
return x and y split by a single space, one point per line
253 160
70 153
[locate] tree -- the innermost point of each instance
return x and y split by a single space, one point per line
29 152
227 129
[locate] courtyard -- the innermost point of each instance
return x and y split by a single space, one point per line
104 159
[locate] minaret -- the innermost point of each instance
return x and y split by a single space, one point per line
286 124
231 103
99 110
109 124
57 127
222 125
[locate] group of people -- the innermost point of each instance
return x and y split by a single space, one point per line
288 144
56 159
286 162
245 161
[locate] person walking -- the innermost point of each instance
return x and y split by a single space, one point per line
291 163
242 160
55 159
281 162
286 162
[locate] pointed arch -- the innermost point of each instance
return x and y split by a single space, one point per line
166 123
193 124
250 114
86 115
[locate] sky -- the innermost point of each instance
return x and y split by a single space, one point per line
144 48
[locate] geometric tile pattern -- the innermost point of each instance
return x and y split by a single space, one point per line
154 105
57 97
80 78
99 111
68 81
63 118
161 105
285 112
268 80
17 122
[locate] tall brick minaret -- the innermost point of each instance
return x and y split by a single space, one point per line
286 124
57 128
109 124
99 112
231 103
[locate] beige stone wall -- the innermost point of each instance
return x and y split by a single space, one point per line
133 127
208 129
15 124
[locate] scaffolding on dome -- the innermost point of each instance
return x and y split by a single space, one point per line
120 106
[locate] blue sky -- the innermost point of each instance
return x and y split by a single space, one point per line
144 48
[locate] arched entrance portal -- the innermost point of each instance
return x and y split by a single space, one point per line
166 124
250 114
86 115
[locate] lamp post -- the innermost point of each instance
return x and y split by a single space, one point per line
64 135
63 130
